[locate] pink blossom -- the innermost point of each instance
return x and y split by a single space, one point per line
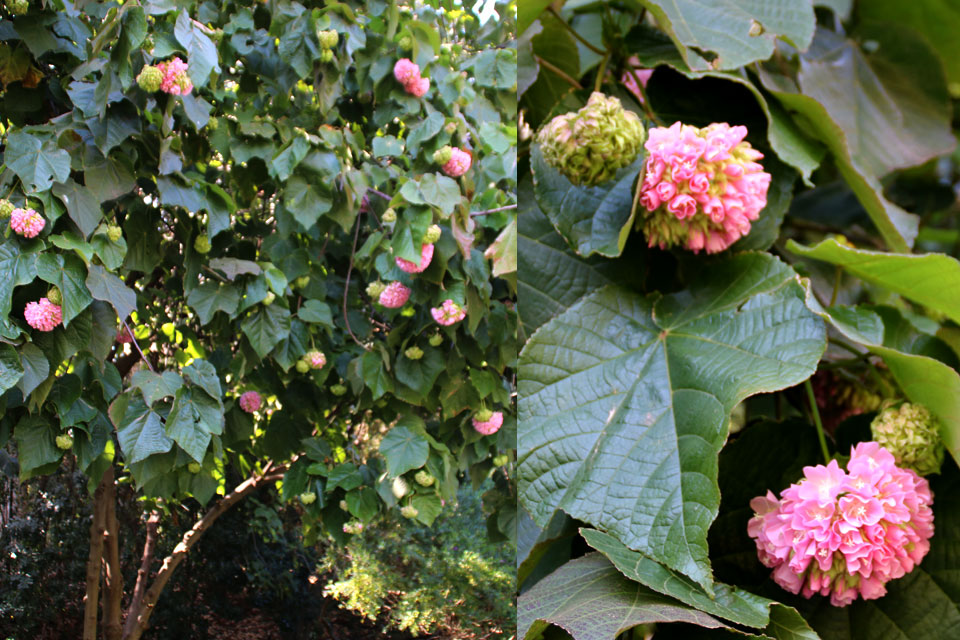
630 82
419 88
317 359
489 426
27 222
448 313
250 401
124 336
458 164
426 255
683 206
175 79
395 295
845 534
43 315
406 71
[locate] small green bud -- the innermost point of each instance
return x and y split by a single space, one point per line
53 295
483 415
150 78
414 353
912 434
343 505
301 282
590 145
303 366
6 208
114 233
409 511
424 479
64 441
399 487
326 56
308 497
338 389
433 234
328 39
213 123
405 44
450 127
202 244
374 289
756 29
193 467
443 154
501 460
436 340
390 215
271 296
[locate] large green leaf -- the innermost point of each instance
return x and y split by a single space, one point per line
139 429
38 164
593 219
36 368
68 273
931 279
18 266
82 206
201 51
110 288
194 418
625 399
211 297
432 189
155 386
11 369
405 446
36 444
723 28
591 600
266 327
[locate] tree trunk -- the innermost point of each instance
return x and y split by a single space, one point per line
113 575
97 529
143 574
141 615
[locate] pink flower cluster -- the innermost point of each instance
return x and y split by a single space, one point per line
27 222
124 336
701 187
407 73
395 295
491 425
845 533
458 164
250 401
43 315
426 255
629 80
448 313
317 359
175 78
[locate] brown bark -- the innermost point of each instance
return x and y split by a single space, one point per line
113 576
143 573
142 613
97 528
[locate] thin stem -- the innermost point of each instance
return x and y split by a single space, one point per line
133 339
836 286
576 35
816 419
346 286
598 81
503 208
560 72
380 193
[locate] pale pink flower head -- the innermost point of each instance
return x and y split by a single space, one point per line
629 80
43 315
701 187
426 255
458 164
419 88
406 71
124 336
448 313
395 295
27 222
175 79
489 426
250 401
316 359
845 534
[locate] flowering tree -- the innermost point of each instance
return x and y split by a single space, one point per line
241 240
737 276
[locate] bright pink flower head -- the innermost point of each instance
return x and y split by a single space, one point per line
701 187
43 315
250 401
175 79
406 71
845 534
395 295
27 222
448 313
629 80
316 359
426 255
489 426
419 88
458 164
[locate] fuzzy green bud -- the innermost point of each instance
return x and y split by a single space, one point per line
443 154
114 233
202 244
450 127
343 505
374 289
150 78
501 460
410 512
6 208
414 353
338 389
308 497
302 366
193 467
64 441
328 39
912 435
390 215
436 340
424 479
271 296
405 44
213 123
53 295
301 282
589 146
326 56
483 415
18 7
433 234
399 487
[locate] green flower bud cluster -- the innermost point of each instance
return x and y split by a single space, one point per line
501 460
374 289
193 467
18 7
338 389
405 44
326 56
424 479
433 234
302 366
442 155
114 233
409 511
202 244
64 441
53 295
414 353
301 282
912 434
308 497
389 215
328 39
399 487
436 340
450 127
213 123
6 208
271 296
589 146
150 78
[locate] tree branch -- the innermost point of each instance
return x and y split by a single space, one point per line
92 596
143 573
504 208
346 286
113 575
